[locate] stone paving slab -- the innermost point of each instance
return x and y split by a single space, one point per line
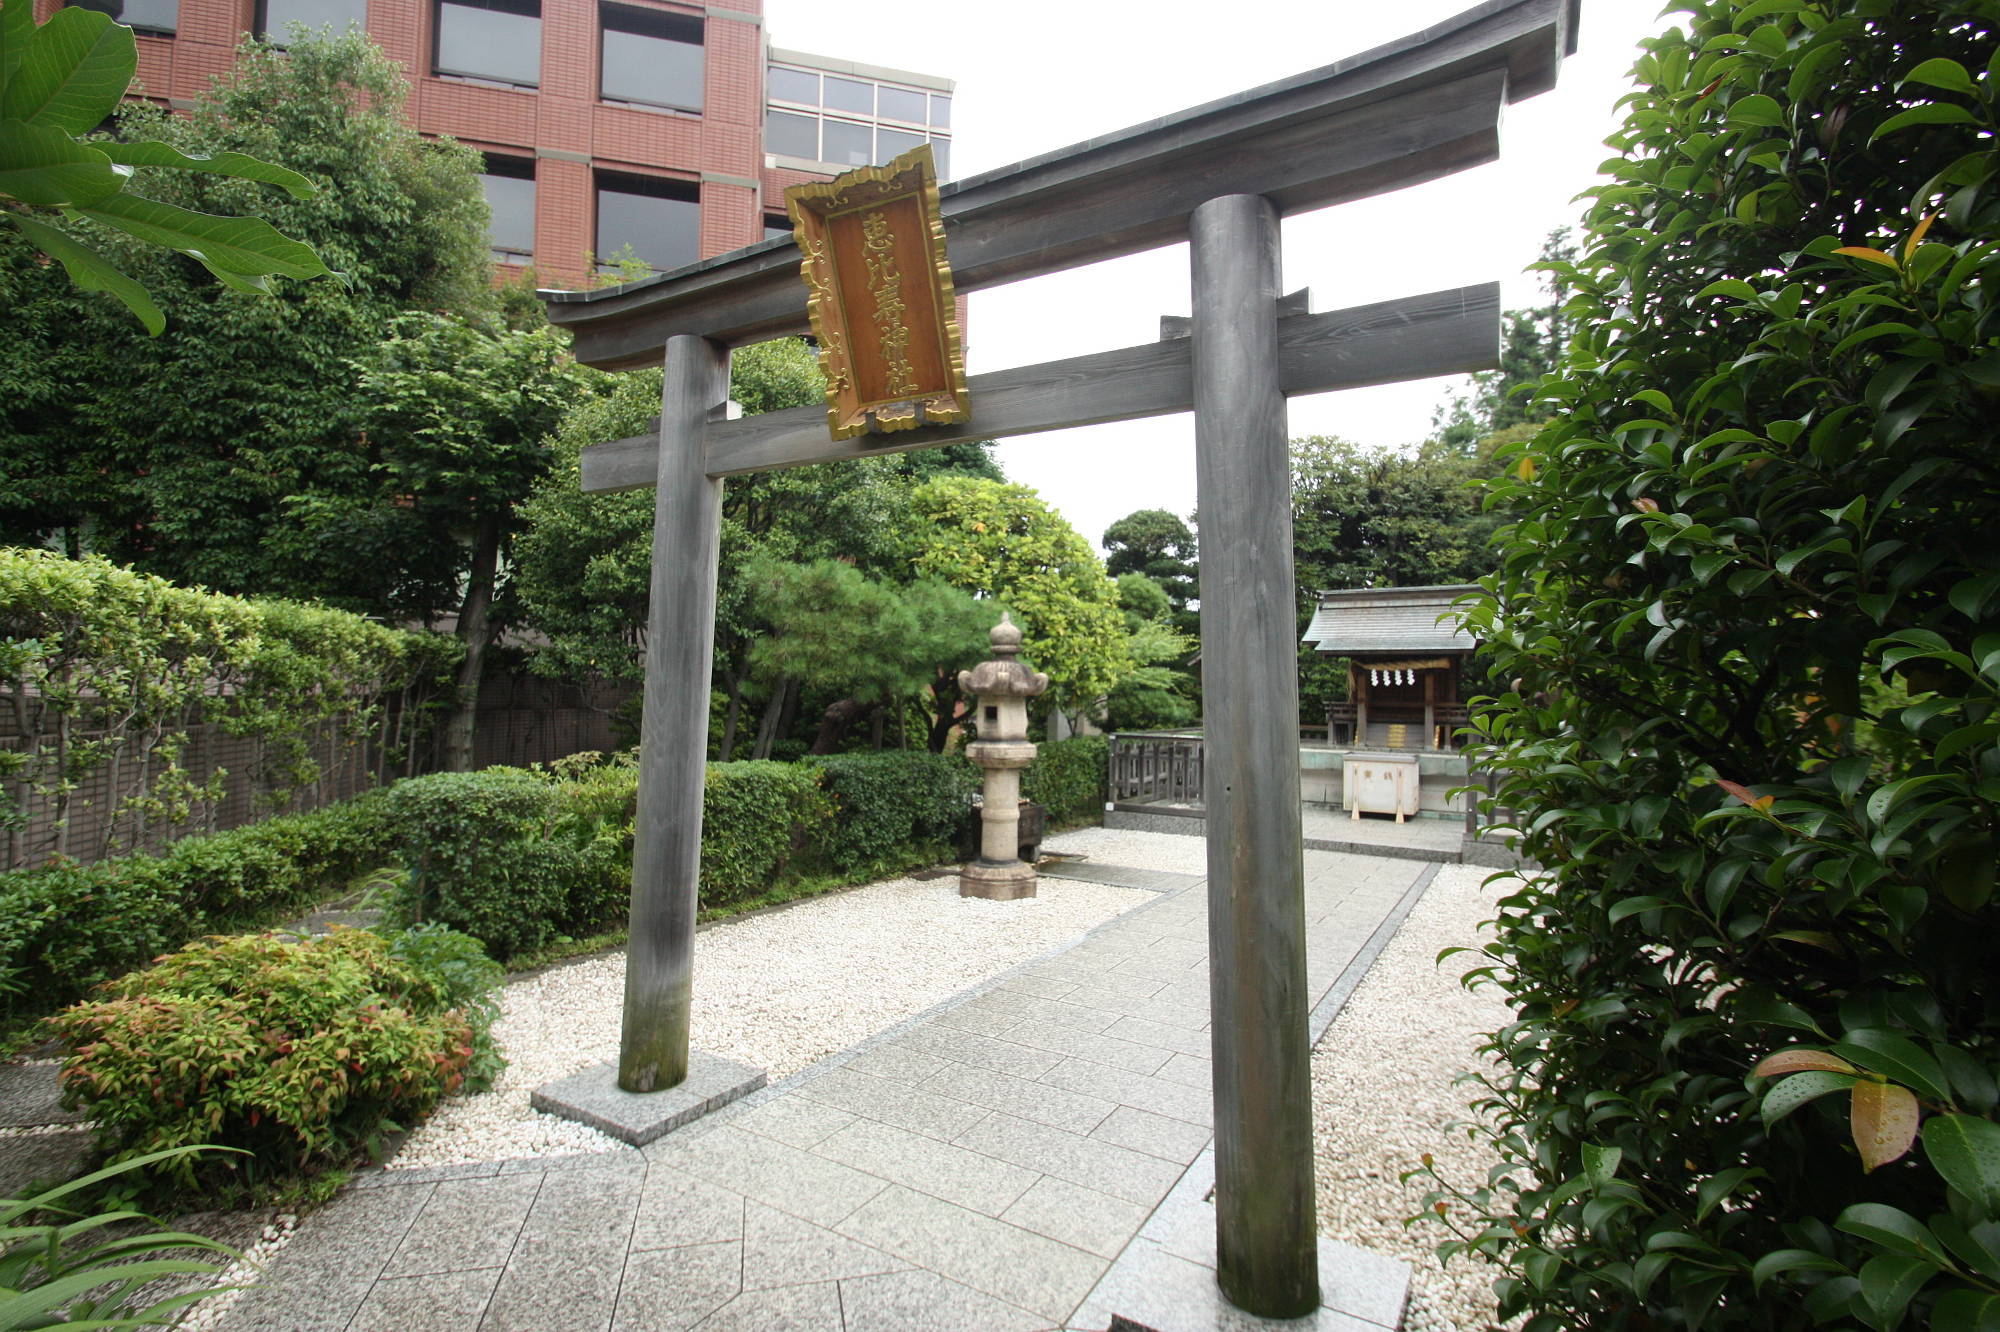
999 1163
31 1095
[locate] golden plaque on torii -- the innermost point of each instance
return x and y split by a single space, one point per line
871 246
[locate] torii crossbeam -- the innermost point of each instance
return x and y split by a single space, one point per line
1219 176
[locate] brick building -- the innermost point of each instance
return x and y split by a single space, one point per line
670 127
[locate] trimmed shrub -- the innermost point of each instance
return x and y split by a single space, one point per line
1071 779
755 817
892 807
1748 614
490 853
300 1053
67 927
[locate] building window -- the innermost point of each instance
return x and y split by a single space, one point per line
499 40
845 121
651 57
275 18
776 225
509 183
660 219
156 16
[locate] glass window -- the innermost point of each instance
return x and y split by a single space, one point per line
890 143
490 39
278 16
509 183
850 95
900 104
941 151
848 144
793 136
776 225
651 57
940 111
793 85
145 15
659 219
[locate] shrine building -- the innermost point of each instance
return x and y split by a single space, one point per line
1406 655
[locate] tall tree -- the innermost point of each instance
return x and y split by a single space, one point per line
207 438
1159 545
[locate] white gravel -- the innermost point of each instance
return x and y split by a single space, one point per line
779 990
1139 850
1385 1090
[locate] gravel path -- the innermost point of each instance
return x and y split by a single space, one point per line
779 990
1384 1091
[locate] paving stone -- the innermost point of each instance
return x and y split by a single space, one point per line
378 1178
434 1302
965 1047
1165 1293
319 1280
1166 1036
1156 1135
786 1309
468 1224
1173 1099
620 1160
564 1271
920 1111
1004 1261
1091 1162
898 1061
1059 1107
1099 1049
665 1290
31 1094
1116 987
1189 1070
954 1174
593 1097
677 1208
915 1299
34 1159
782 1250
974 1015
1058 1011
1082 1218
777 1174
794 1120
1047 982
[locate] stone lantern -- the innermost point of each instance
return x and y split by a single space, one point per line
1002 687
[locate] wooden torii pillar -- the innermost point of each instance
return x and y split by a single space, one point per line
1219 176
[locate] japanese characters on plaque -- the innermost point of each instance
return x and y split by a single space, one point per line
871 248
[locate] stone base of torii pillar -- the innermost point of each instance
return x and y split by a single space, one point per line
1002 687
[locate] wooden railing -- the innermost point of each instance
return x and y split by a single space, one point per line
1156 767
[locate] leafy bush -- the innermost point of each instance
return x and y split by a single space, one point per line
891 806
67 927
300 1053
1071 779
488 853
1747 613
755 816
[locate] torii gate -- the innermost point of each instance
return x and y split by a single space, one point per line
1220 176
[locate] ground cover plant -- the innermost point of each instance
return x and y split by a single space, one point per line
300 1053
1748 623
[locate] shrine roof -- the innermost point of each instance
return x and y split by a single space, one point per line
1358 621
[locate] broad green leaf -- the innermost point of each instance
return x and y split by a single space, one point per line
1628 907
1895 1057
1931 113
1873 256
1757 109
90 271
1975 1246
1891 1228
242 245
48 167
1601 1163
1883 1120
1941 73
17 28
221 164
1966 1311
72 72
1791 1260
1889 1282
1796 1090
1966 1151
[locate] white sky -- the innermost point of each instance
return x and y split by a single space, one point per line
1036 75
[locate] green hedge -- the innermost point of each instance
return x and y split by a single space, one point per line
756 818
1071 779
887 806
68 927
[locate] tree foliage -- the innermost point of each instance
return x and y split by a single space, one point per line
1155 543
1749 617
58 81
1003 542
1531 345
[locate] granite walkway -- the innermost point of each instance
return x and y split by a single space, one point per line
1033 1154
